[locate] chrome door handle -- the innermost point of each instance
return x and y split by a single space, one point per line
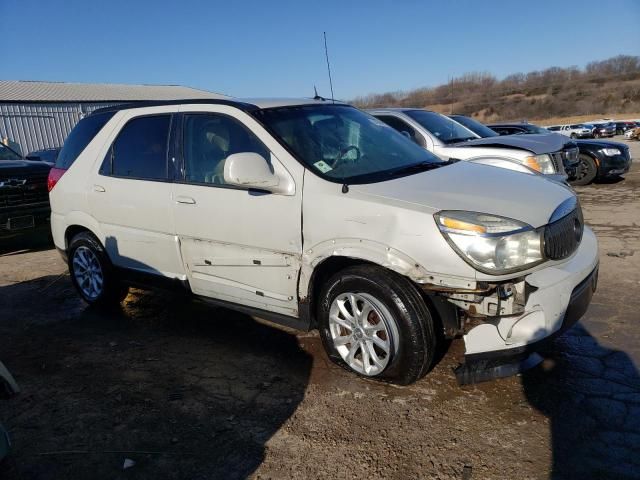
99 188
185 200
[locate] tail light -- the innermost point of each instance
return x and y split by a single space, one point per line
55 174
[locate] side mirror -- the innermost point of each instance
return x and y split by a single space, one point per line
406 134
250 170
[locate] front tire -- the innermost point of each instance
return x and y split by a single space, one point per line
573 135
92 273
374 322
586 172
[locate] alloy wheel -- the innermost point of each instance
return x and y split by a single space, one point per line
87 272
363 332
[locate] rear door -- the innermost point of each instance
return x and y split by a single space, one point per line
130 195
238 245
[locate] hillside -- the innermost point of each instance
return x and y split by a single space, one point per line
609 86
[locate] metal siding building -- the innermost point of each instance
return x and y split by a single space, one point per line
38 115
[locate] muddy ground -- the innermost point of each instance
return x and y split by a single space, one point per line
187 391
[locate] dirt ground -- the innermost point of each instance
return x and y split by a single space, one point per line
188 391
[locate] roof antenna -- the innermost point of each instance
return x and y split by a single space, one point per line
316 96
326 54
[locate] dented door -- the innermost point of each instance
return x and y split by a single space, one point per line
238 245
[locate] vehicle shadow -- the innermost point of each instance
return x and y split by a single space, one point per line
21 244
182 389
609 180
591 396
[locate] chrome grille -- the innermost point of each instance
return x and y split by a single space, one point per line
562 237
33 191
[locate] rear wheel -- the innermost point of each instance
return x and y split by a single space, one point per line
92 273
375 323
586 171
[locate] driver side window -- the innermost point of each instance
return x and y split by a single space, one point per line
208 139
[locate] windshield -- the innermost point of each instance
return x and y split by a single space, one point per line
475 126
344 143
7 154
445 129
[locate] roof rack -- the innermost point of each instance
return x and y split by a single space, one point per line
248 107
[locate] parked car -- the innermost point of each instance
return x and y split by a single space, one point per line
24 201
576 130
449 139
601 159
541 141
597 158
633 134
602 130
45 155
317 215
624 126
518 129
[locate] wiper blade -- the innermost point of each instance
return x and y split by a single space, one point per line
416 168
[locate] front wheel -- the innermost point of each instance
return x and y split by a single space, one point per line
586 172
573 135
92 273
375 323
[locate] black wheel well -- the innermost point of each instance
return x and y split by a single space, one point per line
444 314
325 270
592 156
71 232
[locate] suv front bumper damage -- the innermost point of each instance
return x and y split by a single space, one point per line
532 310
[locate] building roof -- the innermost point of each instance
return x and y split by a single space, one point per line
32 91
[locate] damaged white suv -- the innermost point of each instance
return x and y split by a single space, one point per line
317 215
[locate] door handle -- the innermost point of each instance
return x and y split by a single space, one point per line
99 188
185 200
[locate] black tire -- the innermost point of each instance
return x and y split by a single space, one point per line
586 172
113 291
413 350
573 135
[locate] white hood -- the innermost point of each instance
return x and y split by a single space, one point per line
467 186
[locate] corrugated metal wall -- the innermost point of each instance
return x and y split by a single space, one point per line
34 126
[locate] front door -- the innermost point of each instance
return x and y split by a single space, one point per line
238 245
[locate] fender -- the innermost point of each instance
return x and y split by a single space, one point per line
374 252
82 219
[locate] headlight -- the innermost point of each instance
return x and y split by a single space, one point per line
611 152
540 163
491 244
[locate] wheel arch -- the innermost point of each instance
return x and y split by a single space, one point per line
77 222
324 260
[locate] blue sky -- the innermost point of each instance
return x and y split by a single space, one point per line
274 48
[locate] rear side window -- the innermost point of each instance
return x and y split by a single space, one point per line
140 150
79 138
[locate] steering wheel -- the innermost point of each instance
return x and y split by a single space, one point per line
343 152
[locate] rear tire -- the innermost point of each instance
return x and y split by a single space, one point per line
374 322
91 272
586 172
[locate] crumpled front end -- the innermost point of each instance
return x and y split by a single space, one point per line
539 306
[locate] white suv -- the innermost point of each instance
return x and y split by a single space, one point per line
317 215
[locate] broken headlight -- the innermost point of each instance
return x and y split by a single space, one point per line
491 244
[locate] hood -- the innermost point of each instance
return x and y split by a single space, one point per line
536 143
467 186
601 144
26 165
